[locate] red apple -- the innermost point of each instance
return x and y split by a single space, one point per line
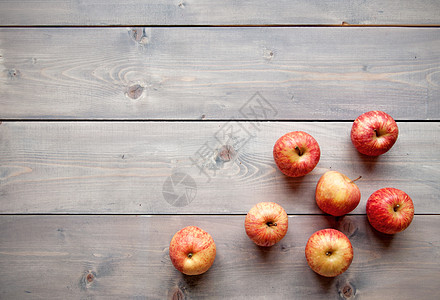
192 250
374 133
390 210
266 223
329 252
336 194
296 153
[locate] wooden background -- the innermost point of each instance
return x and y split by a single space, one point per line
104 103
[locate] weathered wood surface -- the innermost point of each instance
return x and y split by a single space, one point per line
228 12
177 170
312 73
124 167
49 257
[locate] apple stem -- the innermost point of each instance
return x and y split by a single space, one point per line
190 255
356 179
298 150
270 224
396 208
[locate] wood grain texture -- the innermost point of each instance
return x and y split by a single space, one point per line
228 12
315 73
50 257
125 167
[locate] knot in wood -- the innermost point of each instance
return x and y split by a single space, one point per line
347 291
226 153
135 91
177 295
348 226
14 74
139 35
268 54
87 279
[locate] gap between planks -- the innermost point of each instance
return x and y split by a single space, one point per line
343 24
196 121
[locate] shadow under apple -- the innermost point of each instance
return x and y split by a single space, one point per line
265 253
339 285
190 284
326 283
369 163
293 184
269 254
385 240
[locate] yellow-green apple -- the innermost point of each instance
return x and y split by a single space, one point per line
336 194
390 210
329 252
374 133
266 223
296 153
192 250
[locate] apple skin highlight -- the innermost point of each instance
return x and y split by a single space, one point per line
192 250
266 224
374 133
336 194
390 210
329 252
296 153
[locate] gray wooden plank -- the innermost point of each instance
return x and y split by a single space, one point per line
134 167
49 257
214 73
228 12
